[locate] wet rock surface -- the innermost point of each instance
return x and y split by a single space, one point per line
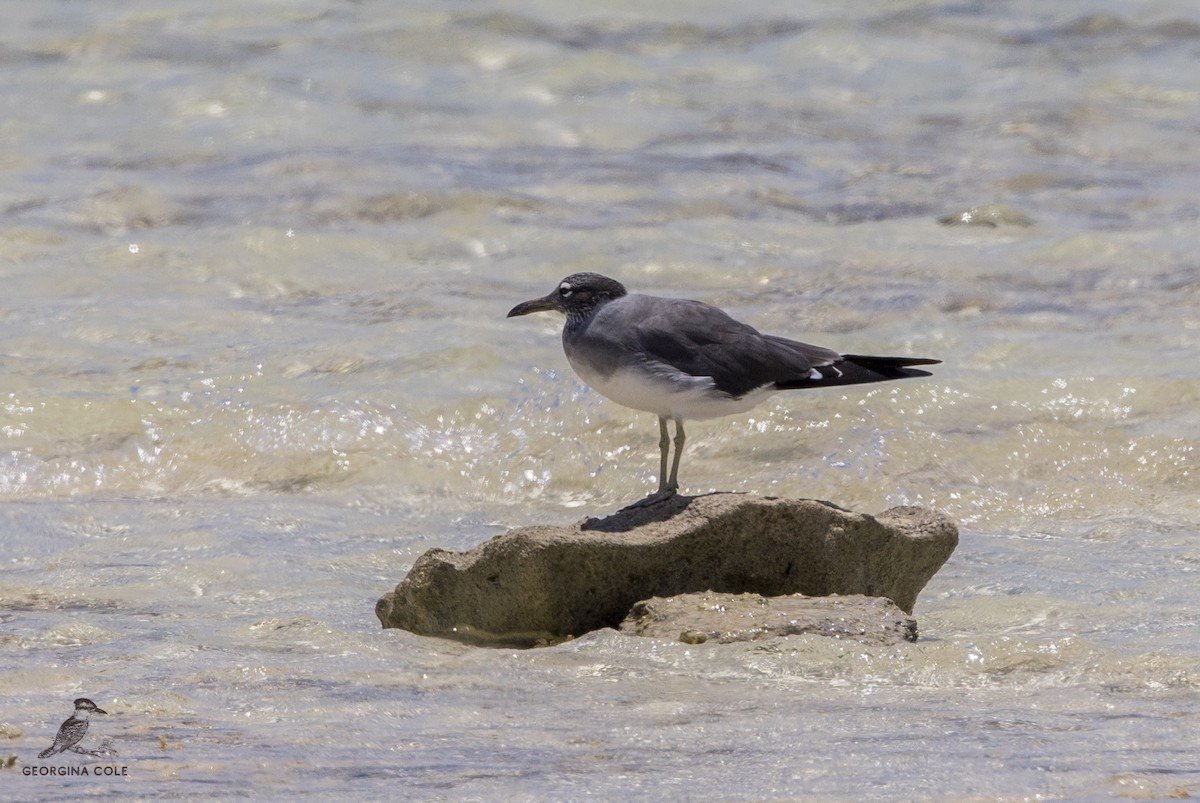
713 617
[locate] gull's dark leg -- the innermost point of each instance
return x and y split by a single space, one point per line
666 487
680 438
664 445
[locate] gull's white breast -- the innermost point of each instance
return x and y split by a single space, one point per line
666 391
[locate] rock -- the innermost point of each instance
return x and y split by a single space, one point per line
542 584
992 216
726 618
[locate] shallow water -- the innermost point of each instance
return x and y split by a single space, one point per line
254 362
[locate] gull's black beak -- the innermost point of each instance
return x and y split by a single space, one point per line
545 304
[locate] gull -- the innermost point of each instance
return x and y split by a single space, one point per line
686 360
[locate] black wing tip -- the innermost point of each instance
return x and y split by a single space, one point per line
887 368
860 369
897 362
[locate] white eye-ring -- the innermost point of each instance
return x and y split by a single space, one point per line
565 290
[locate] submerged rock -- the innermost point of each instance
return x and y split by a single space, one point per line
992 216
542 584
726 618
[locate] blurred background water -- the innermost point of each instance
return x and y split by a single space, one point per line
254 361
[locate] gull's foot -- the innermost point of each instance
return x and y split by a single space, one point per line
661 495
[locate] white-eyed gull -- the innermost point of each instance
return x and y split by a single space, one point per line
688 360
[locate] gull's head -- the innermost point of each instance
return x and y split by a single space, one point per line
578 294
